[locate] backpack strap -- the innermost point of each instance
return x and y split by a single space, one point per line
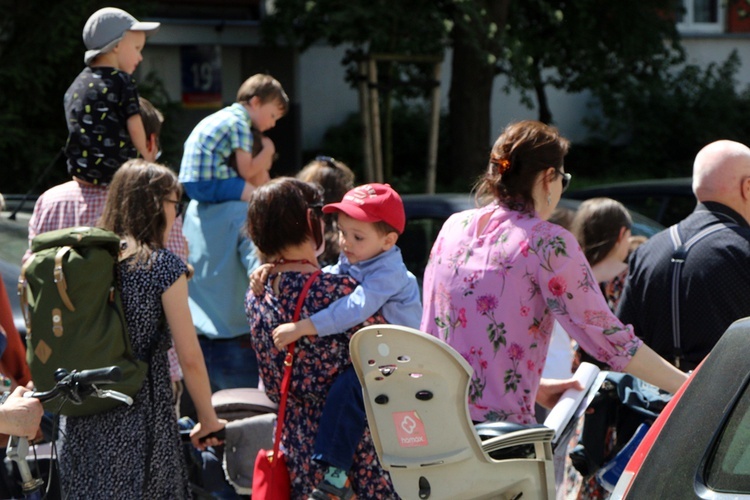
59 277
678 259
23 294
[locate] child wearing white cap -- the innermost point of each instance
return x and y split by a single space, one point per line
105 128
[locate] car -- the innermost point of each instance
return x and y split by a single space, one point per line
666 201
426 213
699 446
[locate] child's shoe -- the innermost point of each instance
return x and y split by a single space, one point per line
327 491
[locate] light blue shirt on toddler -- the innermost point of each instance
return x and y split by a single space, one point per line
384 283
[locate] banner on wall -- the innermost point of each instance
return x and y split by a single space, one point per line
201 76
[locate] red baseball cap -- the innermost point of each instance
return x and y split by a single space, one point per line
372 203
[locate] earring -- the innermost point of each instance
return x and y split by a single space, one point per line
549 199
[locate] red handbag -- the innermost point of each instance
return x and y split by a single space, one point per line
270 473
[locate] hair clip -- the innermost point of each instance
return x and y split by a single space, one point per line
501 164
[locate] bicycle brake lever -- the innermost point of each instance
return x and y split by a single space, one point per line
108 393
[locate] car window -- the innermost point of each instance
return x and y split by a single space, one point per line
729 462
666 209
13 239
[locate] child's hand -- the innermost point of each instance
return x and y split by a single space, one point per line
285 334
259 277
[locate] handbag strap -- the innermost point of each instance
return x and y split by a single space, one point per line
288 361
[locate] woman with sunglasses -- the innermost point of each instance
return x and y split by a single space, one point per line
499 276
135 451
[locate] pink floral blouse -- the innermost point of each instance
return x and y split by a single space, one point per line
494 295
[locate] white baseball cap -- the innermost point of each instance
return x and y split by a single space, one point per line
106 27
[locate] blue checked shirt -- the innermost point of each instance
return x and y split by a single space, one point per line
212 141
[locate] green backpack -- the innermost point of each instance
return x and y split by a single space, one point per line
74 315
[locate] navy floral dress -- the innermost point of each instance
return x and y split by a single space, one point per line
317 362
133 451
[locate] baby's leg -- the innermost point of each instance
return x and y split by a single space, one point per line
343 422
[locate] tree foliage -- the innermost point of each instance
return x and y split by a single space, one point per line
380 26
473 28
608 48
668 123
41 52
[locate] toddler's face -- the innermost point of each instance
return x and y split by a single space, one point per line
265 115
359 240
129 51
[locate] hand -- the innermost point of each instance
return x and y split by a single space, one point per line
258 279
200 431
259 179
20 416
550 390
270 146
285 334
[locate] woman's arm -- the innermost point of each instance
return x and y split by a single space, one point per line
571 292
175 302
652 368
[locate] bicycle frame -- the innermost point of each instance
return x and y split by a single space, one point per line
74 386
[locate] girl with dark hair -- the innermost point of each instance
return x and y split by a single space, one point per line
499 276
135 451
602 228
284 221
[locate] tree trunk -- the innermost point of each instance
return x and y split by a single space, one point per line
469 119
545 113
470 97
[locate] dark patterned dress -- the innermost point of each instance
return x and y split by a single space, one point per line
133 451
317 362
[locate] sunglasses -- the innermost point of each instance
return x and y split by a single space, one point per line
329 161
565 180
179 206
316 207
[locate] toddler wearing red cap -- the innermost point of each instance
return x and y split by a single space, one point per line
370 219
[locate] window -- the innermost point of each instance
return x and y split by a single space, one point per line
728 466
701 16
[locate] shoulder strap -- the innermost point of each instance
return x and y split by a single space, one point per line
59 277
288 361
679 255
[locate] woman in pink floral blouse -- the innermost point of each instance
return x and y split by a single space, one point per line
501 274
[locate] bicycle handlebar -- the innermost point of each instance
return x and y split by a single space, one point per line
98 376
76 384
73 386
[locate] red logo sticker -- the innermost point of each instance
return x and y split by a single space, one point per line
409 429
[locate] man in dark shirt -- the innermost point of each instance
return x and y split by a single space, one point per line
714 285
